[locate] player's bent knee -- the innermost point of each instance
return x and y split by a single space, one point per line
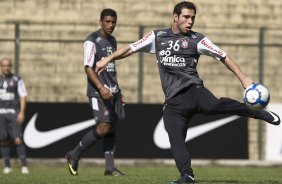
18 141
103 129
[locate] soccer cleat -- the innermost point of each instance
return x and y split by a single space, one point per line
7 170
269 117
25 170
114 172
72 164
184 179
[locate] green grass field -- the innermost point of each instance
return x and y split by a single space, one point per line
144 175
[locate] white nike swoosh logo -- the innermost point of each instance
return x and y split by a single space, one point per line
274 116
34 138
161 137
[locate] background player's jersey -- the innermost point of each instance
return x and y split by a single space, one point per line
177 57
11 88
95 48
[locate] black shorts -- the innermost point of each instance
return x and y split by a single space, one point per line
107 110
9 127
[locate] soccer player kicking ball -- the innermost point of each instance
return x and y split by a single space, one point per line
104 95
177 51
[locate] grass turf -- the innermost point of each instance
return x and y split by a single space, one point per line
144 175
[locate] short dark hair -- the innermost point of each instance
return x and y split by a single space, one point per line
108 12
184 4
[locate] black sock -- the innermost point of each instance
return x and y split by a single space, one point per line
22 154
89 139
109 151
5 151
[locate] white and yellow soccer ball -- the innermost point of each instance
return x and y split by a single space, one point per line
256 96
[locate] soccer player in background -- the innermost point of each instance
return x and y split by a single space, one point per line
177 51
104 95
12 114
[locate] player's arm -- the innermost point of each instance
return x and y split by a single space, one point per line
93 77
146 44
89 58
22 101
123 100
121 53
21 115
232 66
206 47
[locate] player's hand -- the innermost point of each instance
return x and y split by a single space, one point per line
105 93
123 100
247 82
20 118
101 65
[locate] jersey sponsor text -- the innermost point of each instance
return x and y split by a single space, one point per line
169 60
142 40
211 47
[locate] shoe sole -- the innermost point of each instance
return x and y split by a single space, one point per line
72 171
114 175
7 172
115 172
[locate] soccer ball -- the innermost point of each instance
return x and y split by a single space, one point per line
256 96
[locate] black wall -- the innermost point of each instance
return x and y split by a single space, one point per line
135 133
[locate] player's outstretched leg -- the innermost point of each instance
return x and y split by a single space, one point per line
209 104
267 116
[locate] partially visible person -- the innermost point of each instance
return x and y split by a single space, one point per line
12 115
178 50
104 95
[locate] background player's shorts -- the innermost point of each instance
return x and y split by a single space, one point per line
9 127
107 110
